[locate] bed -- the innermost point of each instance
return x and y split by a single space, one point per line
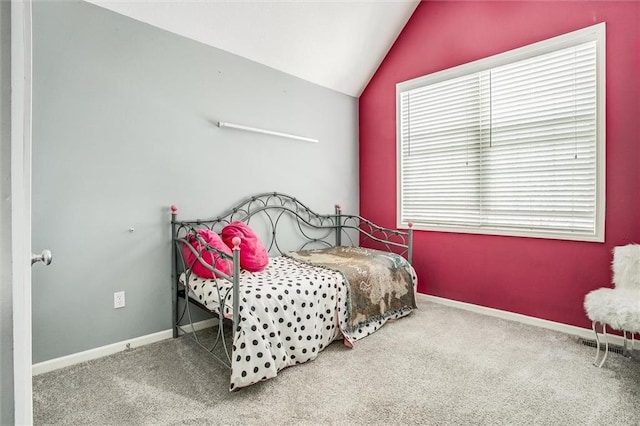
284 282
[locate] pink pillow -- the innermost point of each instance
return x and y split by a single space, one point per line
253 255
214 240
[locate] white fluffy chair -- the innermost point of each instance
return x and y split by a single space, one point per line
618 307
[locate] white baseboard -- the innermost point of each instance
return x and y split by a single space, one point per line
88 355
68 360
585 333
197 326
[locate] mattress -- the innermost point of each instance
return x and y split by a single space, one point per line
289 313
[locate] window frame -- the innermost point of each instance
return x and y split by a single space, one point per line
595 33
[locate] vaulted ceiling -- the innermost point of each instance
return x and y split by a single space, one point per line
335 44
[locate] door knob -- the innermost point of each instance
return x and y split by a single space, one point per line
44 257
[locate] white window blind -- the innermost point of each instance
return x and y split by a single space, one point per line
510 149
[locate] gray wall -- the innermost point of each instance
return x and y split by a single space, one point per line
6 308
124 125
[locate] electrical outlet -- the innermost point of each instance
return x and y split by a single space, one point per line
118 299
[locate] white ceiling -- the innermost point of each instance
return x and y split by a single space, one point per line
336 44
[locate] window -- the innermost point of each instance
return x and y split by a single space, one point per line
508 145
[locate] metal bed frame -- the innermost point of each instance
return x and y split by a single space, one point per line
275 210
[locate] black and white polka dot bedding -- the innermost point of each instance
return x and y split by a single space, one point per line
288 312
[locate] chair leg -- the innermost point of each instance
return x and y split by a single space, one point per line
606 345
593 326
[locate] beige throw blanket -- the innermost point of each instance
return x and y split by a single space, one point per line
380 284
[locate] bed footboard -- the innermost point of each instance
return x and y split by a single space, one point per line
371 234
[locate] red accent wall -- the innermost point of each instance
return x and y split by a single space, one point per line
542 278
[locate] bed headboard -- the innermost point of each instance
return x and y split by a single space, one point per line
285 224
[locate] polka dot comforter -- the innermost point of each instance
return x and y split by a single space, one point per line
288 312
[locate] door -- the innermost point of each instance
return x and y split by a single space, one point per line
21 207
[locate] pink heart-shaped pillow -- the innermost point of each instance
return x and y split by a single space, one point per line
210 257
253 255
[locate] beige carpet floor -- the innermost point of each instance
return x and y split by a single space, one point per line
439 366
